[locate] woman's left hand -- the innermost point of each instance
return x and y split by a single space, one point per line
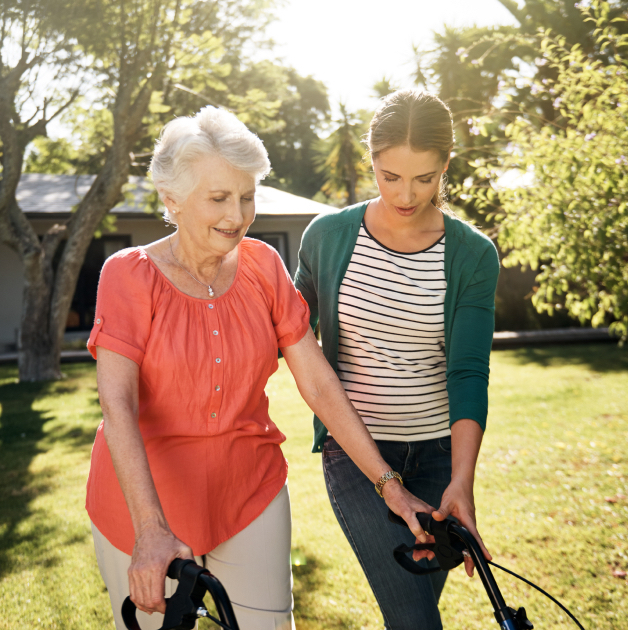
458 501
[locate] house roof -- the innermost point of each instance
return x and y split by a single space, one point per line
46 195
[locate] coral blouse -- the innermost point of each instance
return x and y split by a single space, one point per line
213 450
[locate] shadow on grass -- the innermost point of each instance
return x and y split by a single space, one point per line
76 437
21 437
597 357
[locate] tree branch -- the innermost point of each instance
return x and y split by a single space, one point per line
513 8
52 238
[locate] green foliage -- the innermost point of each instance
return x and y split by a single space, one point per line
51 156
477 71
469 68
186 49
84 153
302 110
567 213
212 67
384 87
341 158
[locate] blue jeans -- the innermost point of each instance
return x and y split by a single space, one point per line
407 602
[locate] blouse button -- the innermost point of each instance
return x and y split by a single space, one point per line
217 388
218 360
98 322
210 306
215 332
213 415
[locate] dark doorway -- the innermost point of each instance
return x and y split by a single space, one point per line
81 315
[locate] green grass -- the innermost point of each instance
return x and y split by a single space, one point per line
555 450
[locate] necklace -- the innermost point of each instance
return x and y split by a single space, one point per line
207 286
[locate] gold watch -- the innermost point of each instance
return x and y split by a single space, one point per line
391 474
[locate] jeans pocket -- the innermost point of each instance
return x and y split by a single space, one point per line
444 444
331 448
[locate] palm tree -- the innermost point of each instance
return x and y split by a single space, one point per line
340 157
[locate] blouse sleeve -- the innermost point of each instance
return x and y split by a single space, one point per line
289 311
123 306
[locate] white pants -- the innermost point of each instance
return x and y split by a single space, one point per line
253 566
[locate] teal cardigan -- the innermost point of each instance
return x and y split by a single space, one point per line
471 270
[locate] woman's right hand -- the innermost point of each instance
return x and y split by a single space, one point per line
155 548
403 503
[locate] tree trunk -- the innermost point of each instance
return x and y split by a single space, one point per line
47 296
39 352
351 186
40 339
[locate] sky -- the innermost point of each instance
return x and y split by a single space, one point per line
352 44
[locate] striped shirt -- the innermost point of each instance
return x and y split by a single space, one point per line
391 355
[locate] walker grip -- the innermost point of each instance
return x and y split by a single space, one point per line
448 550
186 605
425 521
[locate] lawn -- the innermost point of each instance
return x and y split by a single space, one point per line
551 496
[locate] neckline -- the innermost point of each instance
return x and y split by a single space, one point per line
206 300
394 251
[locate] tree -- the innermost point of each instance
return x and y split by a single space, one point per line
384 87
469 68
145 48
566 209
34 50
284 108
303 110
474 69
341 157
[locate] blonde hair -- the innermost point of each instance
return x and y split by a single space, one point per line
416 119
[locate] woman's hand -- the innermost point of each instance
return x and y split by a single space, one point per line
155 548
406 505
458 501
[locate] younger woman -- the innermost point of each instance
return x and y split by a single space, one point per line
404 294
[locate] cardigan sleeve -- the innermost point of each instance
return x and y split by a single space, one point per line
304 280
471 341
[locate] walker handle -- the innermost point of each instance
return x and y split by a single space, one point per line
186 605
425 521
452 540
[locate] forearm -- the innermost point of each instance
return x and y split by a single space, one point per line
130 461
322 391
466 439
337 413
118 386
155 544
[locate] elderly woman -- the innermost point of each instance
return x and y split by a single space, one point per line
187 461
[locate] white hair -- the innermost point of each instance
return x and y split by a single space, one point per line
185 140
